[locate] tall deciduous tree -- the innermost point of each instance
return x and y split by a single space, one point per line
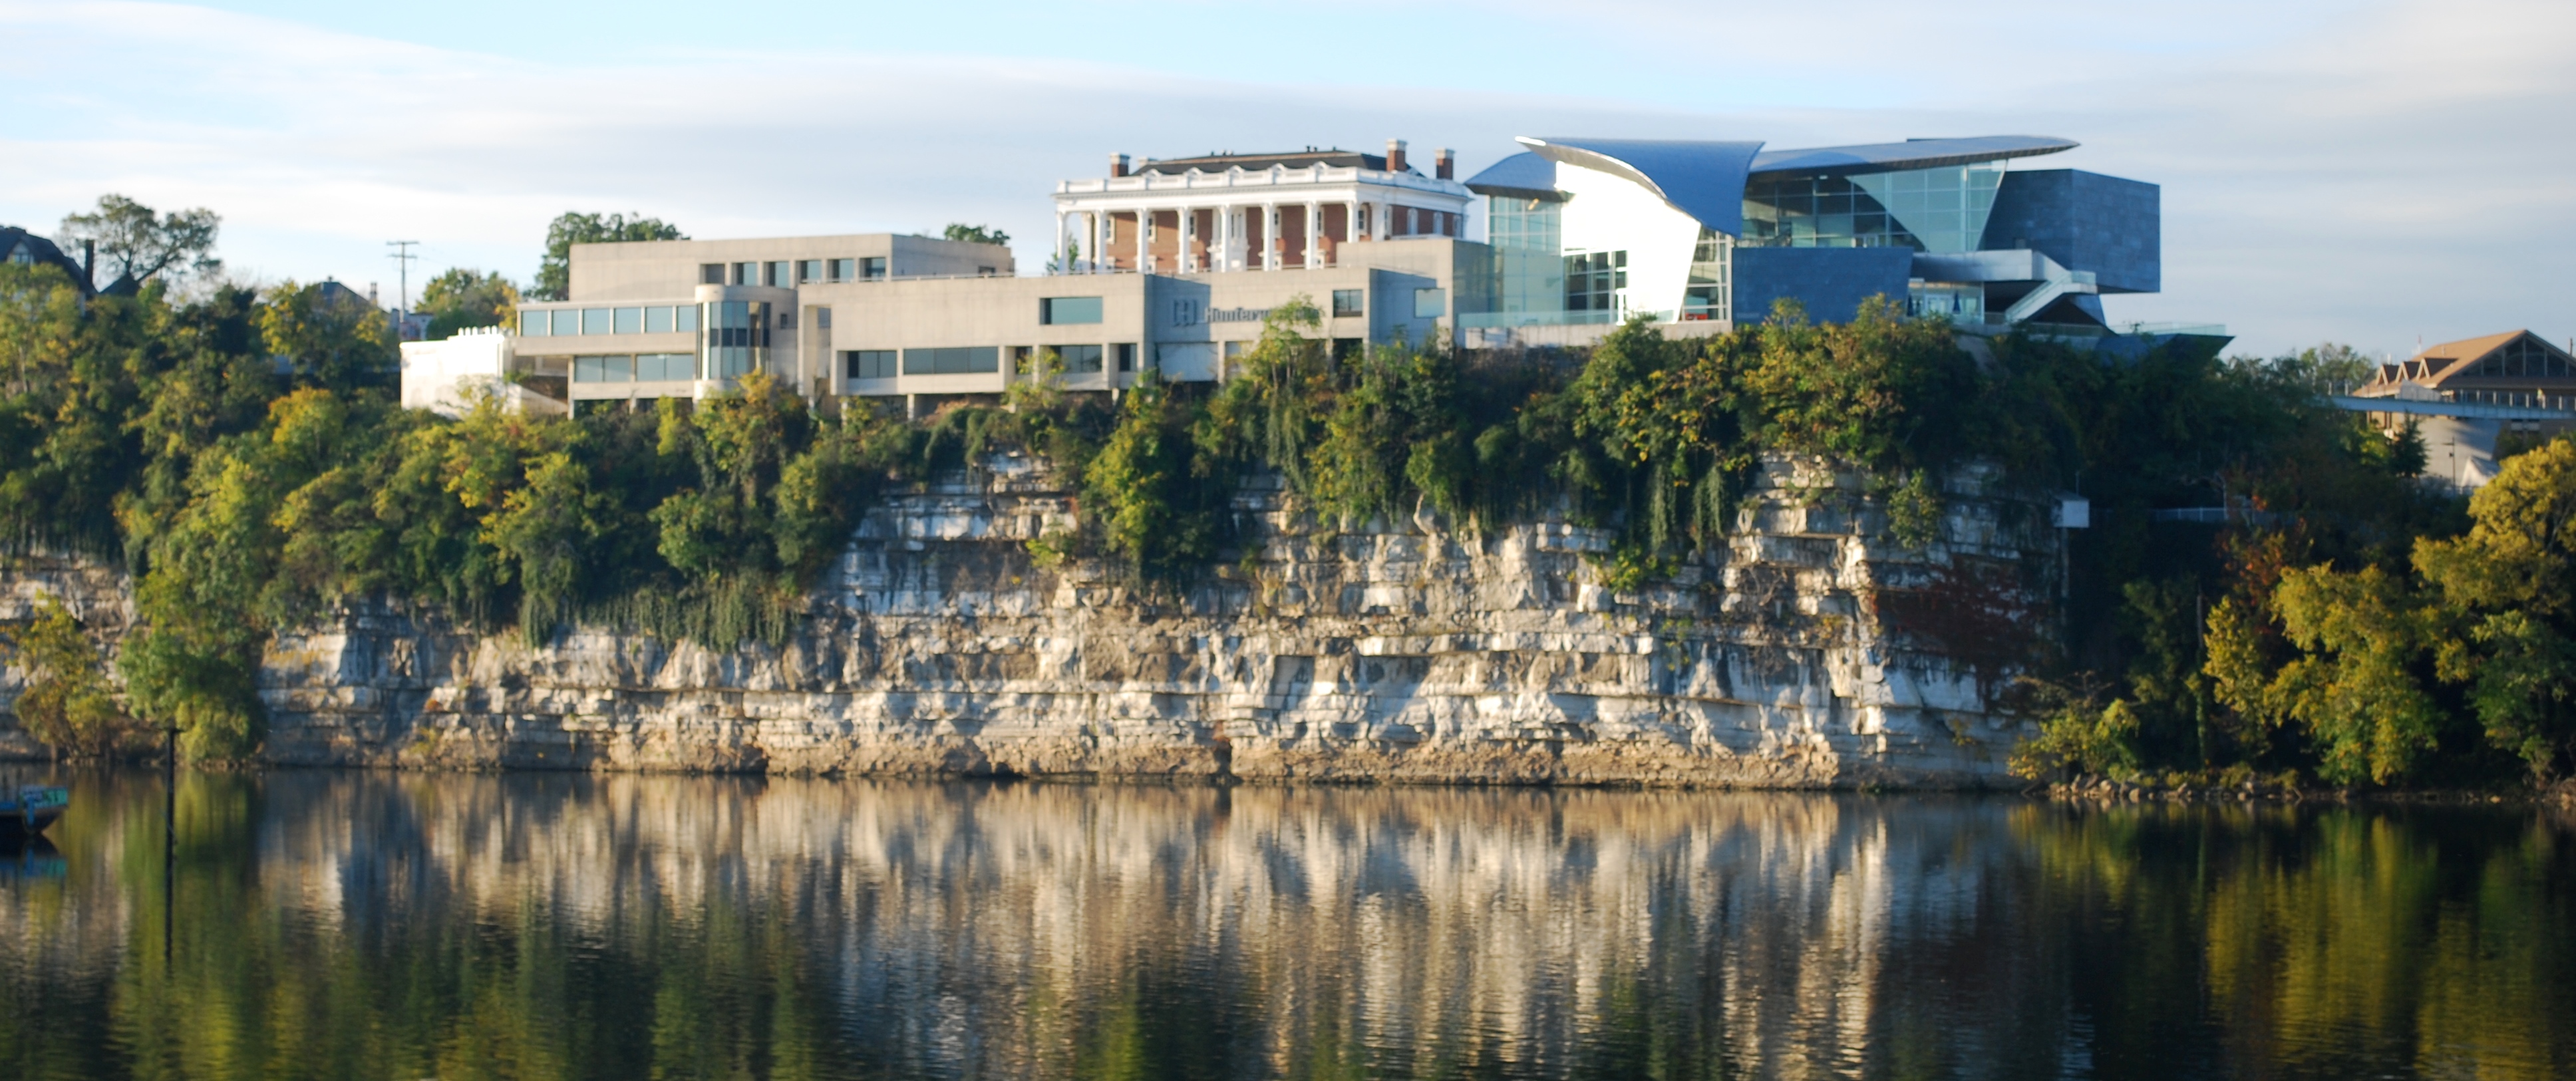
2514 579
460 299
139 244
554 273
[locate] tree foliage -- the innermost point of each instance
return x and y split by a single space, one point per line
67 701
140 244
241 452
975 234
461 299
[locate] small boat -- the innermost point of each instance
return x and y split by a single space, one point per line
26 812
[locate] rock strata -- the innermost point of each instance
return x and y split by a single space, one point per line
1814 651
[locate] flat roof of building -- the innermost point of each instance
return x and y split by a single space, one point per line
1220 161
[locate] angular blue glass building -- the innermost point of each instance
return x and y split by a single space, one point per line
1594 231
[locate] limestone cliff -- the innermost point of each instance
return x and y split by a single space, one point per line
1815 651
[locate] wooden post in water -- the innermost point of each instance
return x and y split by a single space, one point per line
169 840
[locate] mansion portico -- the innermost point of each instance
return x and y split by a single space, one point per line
1227 212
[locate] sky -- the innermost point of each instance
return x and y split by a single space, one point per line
2374 173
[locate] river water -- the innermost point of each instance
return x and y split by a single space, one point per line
332 924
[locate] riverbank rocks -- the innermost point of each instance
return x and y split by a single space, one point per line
1813 651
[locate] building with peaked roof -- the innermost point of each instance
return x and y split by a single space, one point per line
2516 367
26 249
2466 398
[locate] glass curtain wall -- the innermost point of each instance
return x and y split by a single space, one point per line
736 339
1529 273
1710 295
1941 211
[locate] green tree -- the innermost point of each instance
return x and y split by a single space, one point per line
67 702
2359 687
329 336
461 299
2325 368
2512 578
141 244
975 234
554 272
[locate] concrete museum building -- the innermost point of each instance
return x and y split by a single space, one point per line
1172 264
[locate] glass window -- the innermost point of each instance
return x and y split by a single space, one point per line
810 270
617 369
842 269
1079 358
873 267
868 363
953 360
657 320
1349 302
594 321
1126 356
711 273
778 275
630 320
1433 303
586 369
1067 311
536 324
685 318
661 367
746 274
1235 349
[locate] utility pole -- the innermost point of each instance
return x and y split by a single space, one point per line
402 258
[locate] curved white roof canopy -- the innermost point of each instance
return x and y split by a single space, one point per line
1705 179
1701 178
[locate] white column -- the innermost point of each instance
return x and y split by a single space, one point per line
1189 236
1314 234
1144 239
1063 265
1351 220
1099 228
1269 236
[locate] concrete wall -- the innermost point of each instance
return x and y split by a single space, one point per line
2085 221
1831 282
647 270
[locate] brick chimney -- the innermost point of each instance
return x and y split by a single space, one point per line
1444 164
1117 164
1395 155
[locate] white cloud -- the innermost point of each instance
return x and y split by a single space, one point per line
2364 172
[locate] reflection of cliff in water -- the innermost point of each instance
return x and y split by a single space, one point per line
572 925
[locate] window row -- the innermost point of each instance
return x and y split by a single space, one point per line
639 368
565 322
987 359
784 273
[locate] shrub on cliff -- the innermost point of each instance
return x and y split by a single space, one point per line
67 702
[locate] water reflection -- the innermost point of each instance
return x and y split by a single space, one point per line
333 924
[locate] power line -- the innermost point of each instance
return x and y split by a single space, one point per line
402 258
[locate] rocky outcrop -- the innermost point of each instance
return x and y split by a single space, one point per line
1813 652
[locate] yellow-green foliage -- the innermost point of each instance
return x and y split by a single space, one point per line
2375 663
66 701
250 496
